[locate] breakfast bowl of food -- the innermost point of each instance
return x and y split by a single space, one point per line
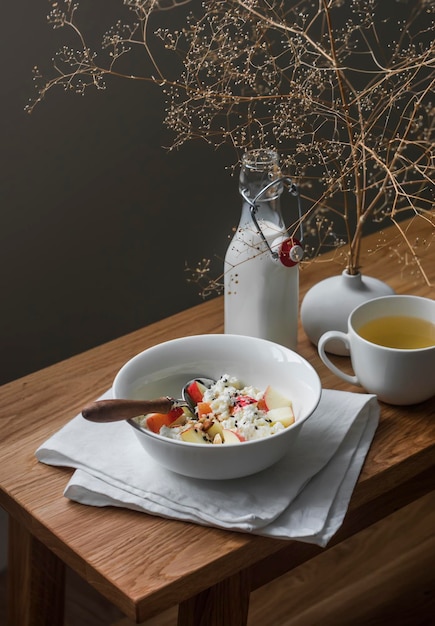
245 400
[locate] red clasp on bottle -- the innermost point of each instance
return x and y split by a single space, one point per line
290 252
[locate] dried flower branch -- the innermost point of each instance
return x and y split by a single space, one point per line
342 89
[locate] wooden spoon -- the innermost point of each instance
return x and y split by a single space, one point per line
117 410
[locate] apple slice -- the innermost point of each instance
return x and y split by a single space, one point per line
274 399
180 420
188 413
196 391
231 437
215 429
283 414
261 404
242 401
155 421
204 409
191 435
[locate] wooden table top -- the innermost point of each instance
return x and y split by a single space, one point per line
145 564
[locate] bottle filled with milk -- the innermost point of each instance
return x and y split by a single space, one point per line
261 275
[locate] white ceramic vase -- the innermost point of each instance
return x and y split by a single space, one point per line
327 305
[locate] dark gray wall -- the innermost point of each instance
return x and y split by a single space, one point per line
97 220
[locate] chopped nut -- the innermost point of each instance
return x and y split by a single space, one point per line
217 438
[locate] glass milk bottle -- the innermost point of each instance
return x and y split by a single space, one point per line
261 275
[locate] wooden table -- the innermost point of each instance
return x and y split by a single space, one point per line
144 564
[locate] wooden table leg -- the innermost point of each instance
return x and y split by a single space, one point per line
36 581
225 603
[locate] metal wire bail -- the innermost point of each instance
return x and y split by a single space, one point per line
292 188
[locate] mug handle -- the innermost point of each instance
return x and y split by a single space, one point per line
335 334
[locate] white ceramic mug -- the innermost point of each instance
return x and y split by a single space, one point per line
397 376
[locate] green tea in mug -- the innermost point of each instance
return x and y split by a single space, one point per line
401 331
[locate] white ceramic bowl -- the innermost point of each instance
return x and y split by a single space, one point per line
163 370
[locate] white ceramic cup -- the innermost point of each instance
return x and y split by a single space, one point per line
396 376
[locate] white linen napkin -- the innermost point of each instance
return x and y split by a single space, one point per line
304 496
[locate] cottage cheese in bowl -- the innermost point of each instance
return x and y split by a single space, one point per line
227 412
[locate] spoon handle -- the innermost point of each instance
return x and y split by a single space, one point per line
117 410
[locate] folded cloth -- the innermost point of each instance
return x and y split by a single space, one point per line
304 496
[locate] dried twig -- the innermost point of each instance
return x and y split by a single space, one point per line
342 89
